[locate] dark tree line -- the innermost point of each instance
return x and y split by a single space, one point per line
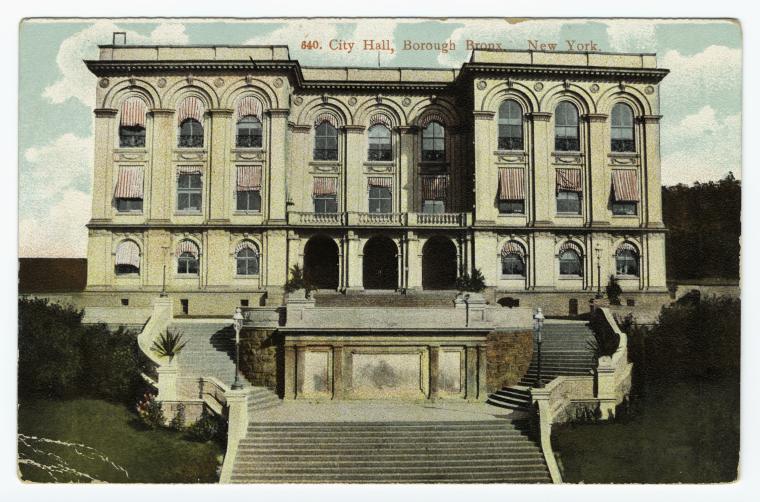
704 223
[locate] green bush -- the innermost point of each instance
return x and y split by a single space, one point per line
208 428
605 341
150 412
474 283
298 280
178 422
613 291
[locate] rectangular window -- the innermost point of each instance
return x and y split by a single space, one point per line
624 208
433 207
510 137
568 202
189 192
379 200
129 205
185 305
511 207
325 204
249 201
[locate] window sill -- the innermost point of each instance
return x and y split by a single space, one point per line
186 276
510 152
246 277
128 213
512 277
511 215
568 215
570 277
188 213
127 276
243 212
626 216
627 277
379 163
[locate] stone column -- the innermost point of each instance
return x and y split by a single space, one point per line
486 177
599 173
542 185
162 176
167 381
220 170
355 189
103 175
414 262
406 188
355 277
277 186
651 202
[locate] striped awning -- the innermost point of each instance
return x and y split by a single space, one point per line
188 170
432 117
570 246
248 106
626 246
625 186
132 113
511 184
434 187
325 186
190 108
129 184
380 182
248 178
326 117
246 245
379 118
187 246
569 180
513 247
127 253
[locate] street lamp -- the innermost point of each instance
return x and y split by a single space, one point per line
237 320
163 280
538 327
598 250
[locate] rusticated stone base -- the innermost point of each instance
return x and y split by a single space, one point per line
259 350
508 356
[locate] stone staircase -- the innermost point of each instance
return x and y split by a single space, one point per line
386 300
565 351
210 351
492 451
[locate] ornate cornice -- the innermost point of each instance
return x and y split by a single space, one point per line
105 112
556 72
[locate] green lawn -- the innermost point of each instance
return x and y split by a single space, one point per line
110 446
688 433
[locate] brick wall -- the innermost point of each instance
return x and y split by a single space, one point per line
259 355
508 357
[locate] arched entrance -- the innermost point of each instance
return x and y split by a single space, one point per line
439 264
380 268
320 262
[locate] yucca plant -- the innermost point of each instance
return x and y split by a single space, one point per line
169 344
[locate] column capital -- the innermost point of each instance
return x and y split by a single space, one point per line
278 112
650 119
162 111
483 115
353 129
596 117
105 112
540 116
302 128
410 129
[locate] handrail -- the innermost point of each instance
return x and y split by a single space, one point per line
157 324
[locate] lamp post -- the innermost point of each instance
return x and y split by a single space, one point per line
163 280
538 326
598 250
237 320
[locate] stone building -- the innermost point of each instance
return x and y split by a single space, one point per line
219 168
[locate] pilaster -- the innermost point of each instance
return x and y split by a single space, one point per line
162 175
652 202
102 189
485 169
220 171
542 188
277 198
355 190
600 176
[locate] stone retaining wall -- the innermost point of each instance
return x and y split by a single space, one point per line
259 349
508 357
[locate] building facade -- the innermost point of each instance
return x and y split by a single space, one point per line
218 169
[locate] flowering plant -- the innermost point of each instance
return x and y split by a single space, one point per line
149 411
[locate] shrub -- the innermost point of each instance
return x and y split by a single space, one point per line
149 412
209 427
298 280
178 422
474 284
169 344
111 364
606 341
613 290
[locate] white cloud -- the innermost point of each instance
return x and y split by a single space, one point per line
61 232
61 164
712 73
297 31
703 147
631 35
76 81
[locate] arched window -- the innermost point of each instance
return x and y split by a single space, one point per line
512 259
510 126
434 142
566 135
627 260
379 143
190 134
187 258
127 260
326 142
132 123
570 262
248 132
247 259
622 128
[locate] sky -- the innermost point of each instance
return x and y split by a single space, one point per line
700 98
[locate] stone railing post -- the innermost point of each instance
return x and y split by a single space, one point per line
542 398
167 382
237 428
605 386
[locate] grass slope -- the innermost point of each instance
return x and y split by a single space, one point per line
112 431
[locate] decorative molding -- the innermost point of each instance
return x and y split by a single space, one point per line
373 167
623 159
352 101
278 82
162 111
104 82
540 116
406 102
651 119
594 88
219 82
538 87
511 158
596 117
299 128
161 83
481 85
105 112
257 155
221 111
354 129
298 100
649 89
319 167
568 158
483 115
278 112
182 156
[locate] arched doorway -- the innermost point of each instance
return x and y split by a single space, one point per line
380 268
320 262
439 264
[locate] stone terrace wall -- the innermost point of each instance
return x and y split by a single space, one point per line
259 349
508 357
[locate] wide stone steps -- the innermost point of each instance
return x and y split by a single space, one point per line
390 452
385 300
565 351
